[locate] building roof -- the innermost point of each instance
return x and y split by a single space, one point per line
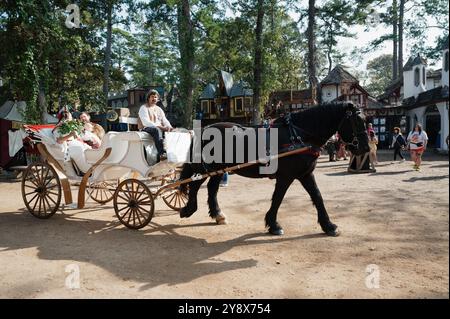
372 103
208 93
227 80
338 75
391 88
117 95
241 88
297 95
418 60
434 74
433 96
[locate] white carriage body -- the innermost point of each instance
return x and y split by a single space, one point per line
130 152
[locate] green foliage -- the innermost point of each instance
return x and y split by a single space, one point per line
71 126
380 74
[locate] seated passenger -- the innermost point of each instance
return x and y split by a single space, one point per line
92 135
154 120
72 145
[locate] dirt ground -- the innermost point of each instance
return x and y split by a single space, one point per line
394 242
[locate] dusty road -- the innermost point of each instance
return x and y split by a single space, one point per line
394 223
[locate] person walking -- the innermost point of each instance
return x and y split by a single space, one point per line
373 142
398 144
417 141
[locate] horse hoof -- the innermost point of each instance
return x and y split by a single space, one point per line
276 231
184 213
333 233
221 219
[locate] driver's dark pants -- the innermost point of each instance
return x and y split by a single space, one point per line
154 133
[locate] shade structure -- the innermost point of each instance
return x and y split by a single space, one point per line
12 111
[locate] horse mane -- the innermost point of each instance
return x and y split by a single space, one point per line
321 120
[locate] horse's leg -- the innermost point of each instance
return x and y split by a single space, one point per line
281 187
214 209
191 206
309 183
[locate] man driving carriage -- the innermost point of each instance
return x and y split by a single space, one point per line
154 121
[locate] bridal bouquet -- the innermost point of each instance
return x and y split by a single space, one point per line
71 126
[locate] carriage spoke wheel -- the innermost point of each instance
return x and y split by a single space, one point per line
133 204
176 199
102 192
41 190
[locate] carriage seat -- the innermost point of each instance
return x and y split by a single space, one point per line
121 144
48 139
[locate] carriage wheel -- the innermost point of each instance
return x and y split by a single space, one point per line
176 199
41 190
102 192
133 204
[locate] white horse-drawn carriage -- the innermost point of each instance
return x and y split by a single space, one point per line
124 169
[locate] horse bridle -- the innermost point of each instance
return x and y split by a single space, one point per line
351 116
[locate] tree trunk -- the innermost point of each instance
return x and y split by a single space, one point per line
400 38
394 39
186 46
107 52
330 49
312 47
257 70
41 101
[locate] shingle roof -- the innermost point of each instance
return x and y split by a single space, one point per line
208 93
432 96
241 88
394 86
338 75
297 95
434 74
414 61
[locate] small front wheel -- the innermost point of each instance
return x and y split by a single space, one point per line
102 192
133 204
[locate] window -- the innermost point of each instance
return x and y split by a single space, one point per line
248 103
131 98
142 97
213 108
239 107
416 76
205 107
355 99
424 76
446 61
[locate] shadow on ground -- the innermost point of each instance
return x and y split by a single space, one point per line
155 255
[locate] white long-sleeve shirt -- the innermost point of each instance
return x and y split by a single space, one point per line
153 116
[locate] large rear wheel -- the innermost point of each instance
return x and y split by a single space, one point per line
41 190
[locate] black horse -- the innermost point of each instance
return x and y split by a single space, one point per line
312 127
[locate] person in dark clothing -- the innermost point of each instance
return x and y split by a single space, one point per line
398 143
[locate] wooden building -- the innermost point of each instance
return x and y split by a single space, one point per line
227 101
340 85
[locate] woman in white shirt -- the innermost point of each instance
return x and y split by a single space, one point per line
71 144
417 141
154 120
